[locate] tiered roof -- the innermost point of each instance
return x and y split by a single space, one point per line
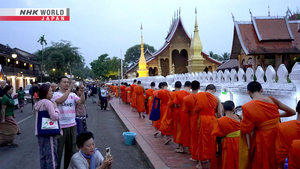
266 35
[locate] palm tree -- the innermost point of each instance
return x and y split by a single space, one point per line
43 42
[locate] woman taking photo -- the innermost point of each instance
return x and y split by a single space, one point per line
88 156
47 144
7 109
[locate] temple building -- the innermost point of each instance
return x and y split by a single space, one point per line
179 54
266 41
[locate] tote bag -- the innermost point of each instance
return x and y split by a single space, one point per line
46 126
155 111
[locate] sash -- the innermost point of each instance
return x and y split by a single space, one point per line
234 134
269 124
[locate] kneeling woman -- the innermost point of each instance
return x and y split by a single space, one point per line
88 157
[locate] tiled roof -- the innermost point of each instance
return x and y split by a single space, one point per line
23 56
229 64
272 36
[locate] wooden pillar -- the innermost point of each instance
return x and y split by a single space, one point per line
170 61
158 66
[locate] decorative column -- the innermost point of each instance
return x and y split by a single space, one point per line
170 60
295 78
13 83
158 66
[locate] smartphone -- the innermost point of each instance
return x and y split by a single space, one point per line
107 151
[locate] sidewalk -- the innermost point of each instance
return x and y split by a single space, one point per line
160 156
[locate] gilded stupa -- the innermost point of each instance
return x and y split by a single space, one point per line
143 71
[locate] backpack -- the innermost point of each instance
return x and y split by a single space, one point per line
155 112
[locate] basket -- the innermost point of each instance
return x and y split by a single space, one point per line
129 138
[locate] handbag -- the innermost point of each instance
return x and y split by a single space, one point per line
155 111
46 126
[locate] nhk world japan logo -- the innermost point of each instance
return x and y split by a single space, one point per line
34 14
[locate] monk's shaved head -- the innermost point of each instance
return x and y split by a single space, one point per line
152 84
228 105
254 86
211 87
178 84
298 107
195 85
187 84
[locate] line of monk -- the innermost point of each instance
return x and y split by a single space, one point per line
214 135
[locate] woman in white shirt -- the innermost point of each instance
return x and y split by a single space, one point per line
88 156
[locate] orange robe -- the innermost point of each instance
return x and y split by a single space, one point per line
294 155
133 97
123 94
189 136
288 131
230 144
117 91
175 114
206 105
181 118
166 121
150 98
262 118
140 98
128 94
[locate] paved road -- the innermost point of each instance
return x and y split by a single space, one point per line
105 125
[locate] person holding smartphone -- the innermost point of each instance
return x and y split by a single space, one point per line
89 156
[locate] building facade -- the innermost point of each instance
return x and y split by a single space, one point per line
179 54
18 67
265 41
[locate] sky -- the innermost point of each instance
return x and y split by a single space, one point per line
113 26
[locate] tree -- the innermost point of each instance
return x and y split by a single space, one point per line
61 57
226 56
215 56
132 54
43 42
105 67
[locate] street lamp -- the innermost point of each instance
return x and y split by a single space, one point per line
66 74
53 69
14 55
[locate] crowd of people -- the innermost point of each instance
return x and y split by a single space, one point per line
60 125
212 132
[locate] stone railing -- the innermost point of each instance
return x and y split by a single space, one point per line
231 85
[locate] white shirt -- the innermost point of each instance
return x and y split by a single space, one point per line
67 111
79 162
104 93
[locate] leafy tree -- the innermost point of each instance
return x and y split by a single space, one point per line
132 54
226 56
215 56
61 57
105 67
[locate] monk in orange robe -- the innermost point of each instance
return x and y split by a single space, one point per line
157 123
288 131
133 96
181 118
128 94
294 155
166 126
140 99
207 106
150 98
175 112
189 133
123 94
260 123
229 127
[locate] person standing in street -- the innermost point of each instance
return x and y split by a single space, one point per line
80 114
66 102
7 108
103 98
21 95
47 144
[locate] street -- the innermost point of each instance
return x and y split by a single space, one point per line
105 125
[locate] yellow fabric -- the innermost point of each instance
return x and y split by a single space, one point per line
149 97
129 91
243 152
268 124
234 134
